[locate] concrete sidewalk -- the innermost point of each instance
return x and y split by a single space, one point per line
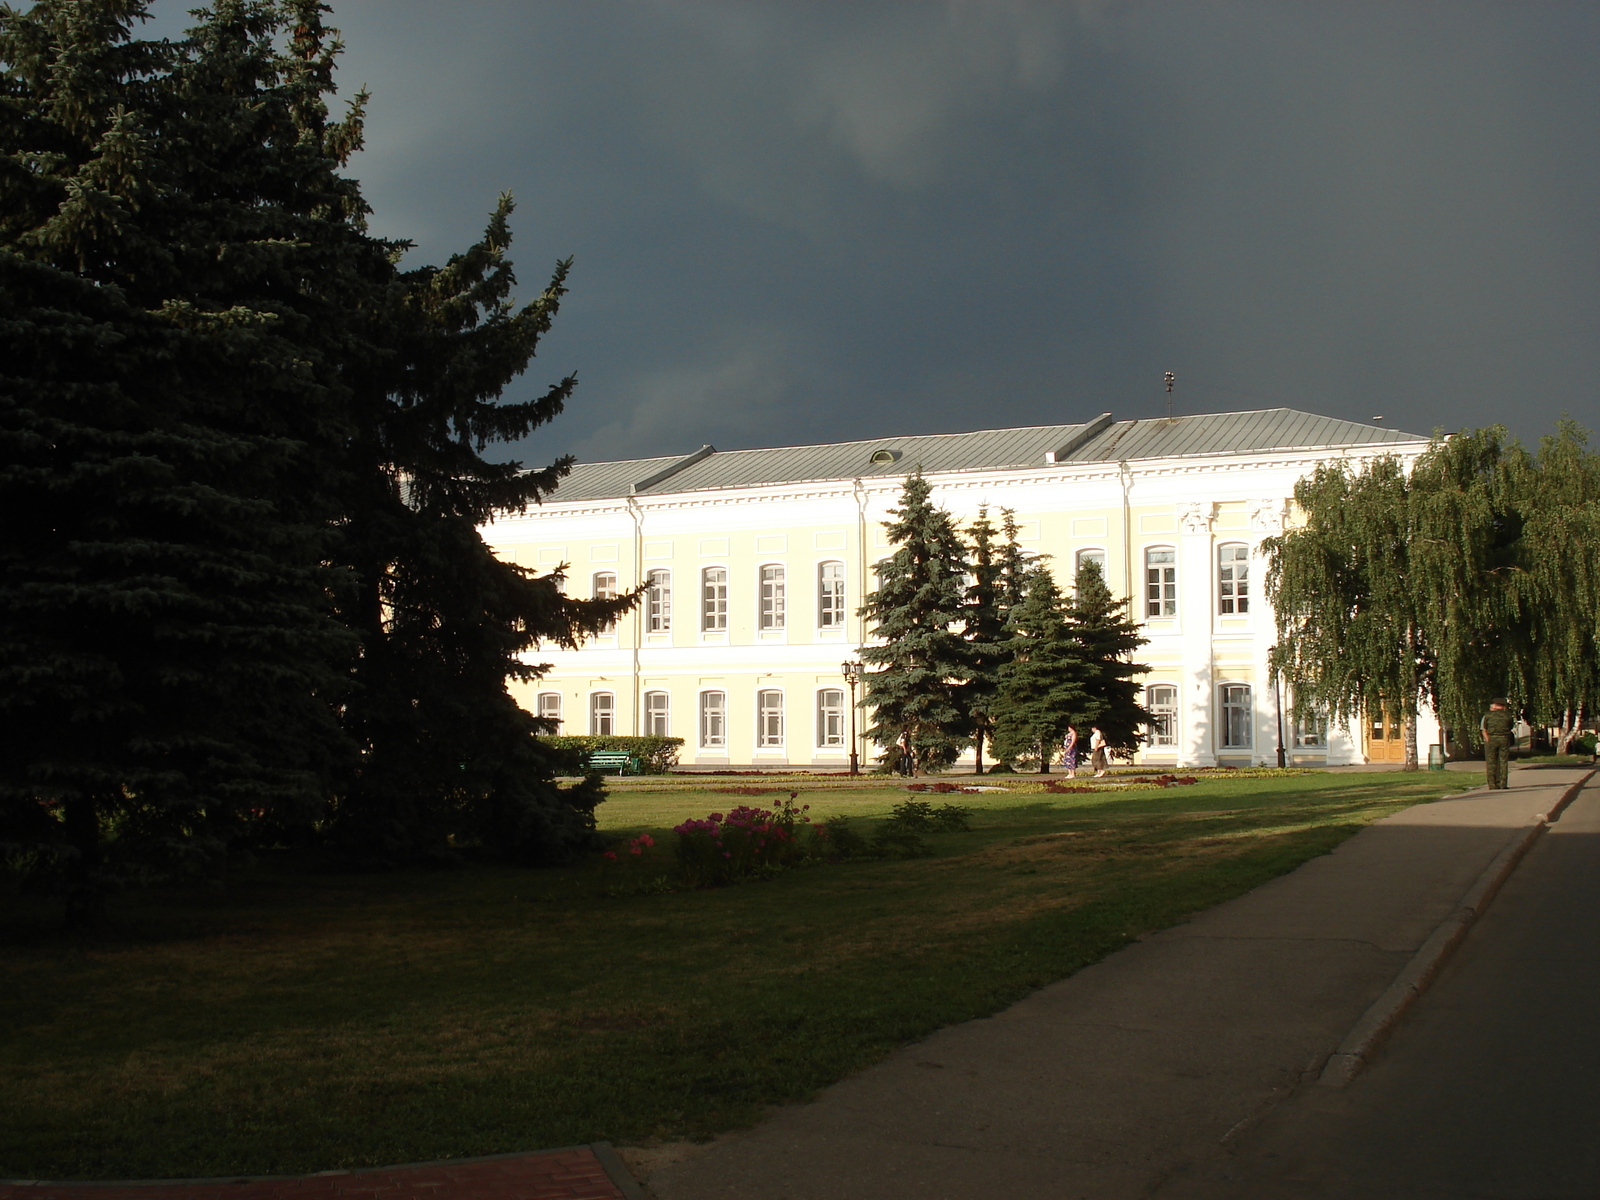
1148 1063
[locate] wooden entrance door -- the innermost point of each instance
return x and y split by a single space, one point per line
1386 739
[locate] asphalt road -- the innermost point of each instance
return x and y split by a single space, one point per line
1491 1085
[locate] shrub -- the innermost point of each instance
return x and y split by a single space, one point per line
747 841
921 817
836 838
656 755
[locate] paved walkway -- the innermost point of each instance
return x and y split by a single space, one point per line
573 1173
1488 1089
1151 1063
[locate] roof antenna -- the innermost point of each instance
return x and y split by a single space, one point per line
1171 379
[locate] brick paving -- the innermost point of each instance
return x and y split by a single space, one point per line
574 1173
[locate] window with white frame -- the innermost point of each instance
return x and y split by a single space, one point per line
550 706
1161 582
772 598
1098 557
658 602
830 718
1237 717
604 587
714 600
1233 578
713 719
602 713
1310 732
769 718
830 595
1162 701
656 714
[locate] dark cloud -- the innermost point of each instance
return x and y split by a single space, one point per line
798 223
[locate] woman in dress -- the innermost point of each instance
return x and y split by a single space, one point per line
1069 753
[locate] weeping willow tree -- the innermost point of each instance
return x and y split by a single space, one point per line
1464 567
1345 590
1555 588
1476 574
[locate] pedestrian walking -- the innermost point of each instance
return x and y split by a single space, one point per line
907 763
1069 753
1097 751
1497 727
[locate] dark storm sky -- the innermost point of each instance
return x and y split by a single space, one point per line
811 222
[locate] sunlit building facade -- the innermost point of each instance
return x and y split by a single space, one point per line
755 563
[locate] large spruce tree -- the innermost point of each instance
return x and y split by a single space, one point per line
916 611
1044 685
240 460
1109 640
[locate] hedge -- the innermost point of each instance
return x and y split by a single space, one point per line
656 755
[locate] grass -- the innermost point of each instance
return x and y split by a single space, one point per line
303 1022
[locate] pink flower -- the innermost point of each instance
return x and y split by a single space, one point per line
610 856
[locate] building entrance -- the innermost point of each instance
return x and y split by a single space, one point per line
1386 739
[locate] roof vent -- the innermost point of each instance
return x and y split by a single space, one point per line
882 457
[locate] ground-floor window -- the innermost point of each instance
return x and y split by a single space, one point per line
1162 701
1311 732
830 718
769 718
602 713
713 719
656 713
550 706
1237 723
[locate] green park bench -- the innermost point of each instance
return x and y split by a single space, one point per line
619 760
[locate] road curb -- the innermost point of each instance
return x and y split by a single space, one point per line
1368 1034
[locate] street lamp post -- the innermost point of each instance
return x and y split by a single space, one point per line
852 676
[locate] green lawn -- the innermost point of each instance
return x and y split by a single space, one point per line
305 1022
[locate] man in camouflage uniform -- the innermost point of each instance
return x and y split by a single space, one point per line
1497 727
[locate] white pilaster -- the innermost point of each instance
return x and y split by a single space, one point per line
1194 618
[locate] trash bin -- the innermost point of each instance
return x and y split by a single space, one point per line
1436 757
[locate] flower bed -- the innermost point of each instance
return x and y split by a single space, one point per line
745 842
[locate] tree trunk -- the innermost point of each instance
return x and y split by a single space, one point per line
1044 758
1410 709
977 747
1568 729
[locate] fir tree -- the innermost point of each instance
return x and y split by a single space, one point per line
168 664
1109 640
240 454
914 693
998 574
985 636
1044 687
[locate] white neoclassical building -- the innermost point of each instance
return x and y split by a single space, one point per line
755 562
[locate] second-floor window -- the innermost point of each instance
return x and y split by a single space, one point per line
658 601
605 588
830 595
1161 582
772 598
1233 578
714 600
